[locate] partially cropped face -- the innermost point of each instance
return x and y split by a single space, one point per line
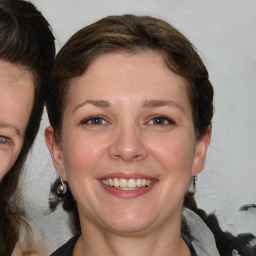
16 102
128 147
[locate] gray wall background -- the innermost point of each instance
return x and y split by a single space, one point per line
224 31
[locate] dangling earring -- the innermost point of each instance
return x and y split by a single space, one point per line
192 185
62 188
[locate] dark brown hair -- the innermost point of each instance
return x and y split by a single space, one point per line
129 33
27 40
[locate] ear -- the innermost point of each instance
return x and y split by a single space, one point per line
200 152
56 151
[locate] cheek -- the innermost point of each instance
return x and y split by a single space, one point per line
5 166
7 160
81 155
175 153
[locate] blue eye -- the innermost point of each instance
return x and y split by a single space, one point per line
96 120
161 120
4 140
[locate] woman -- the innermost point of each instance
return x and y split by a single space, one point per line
27 52
130 107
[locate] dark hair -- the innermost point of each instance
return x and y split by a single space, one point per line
26 39
129 33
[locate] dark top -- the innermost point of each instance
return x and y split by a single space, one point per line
189 244
67 248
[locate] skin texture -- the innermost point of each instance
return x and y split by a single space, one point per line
144 129
16 102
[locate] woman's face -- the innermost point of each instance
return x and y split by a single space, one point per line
128 147
16 102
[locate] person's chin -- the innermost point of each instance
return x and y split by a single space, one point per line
129 221
129 228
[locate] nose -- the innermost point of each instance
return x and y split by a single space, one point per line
127 145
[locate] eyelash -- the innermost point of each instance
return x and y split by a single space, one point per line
101 121
162 118
91 118
4 140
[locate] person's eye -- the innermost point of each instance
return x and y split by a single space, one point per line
94 120
161 120
4 140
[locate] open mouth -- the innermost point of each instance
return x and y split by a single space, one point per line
127 184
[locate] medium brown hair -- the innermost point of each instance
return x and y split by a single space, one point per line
132 34
27 40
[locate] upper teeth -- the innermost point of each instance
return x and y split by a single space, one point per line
127 183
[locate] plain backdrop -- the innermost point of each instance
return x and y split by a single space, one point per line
224 32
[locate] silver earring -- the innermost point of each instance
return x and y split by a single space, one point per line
192 185
62 188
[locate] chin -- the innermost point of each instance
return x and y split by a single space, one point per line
129 223
129 228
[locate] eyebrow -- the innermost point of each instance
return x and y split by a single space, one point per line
10 126
96 103
149 104
160 103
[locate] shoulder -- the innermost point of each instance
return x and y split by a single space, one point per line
205 227
200 236
67 248
30 243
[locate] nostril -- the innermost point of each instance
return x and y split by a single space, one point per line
127 147
128 157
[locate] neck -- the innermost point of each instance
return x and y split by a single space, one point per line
164 241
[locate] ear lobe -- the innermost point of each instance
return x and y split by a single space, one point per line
55 151
200 153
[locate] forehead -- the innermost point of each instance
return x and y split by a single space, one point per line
13 74
16 96
125 73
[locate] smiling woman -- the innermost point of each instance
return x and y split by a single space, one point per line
26 56
130 106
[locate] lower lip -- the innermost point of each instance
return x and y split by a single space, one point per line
127 193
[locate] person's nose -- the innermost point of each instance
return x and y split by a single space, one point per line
127 144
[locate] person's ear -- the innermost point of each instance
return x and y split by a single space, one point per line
200 152
56 151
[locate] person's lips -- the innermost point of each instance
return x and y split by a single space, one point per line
126 186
